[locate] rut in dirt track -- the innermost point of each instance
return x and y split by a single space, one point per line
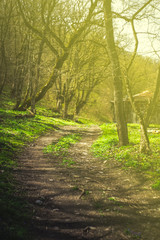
92 199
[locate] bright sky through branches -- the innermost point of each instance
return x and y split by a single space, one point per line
146 26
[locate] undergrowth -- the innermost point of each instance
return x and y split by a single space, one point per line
16 130
60 148
106 147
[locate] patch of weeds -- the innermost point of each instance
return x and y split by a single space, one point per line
105 142
86 192
75 188
63 144
68 162
156 185
113 199
60 148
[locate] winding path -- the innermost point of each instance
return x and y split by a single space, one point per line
92 199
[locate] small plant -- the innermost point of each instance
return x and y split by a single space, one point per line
75 188
156 185
86 192
113 199
68 162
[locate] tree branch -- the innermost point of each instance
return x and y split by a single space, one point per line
80 30
121 16
152 105
35 30
139 10
136 46
46 24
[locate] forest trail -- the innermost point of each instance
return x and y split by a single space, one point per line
91 199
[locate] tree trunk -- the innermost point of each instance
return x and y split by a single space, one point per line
117 76
144 143
19 87
48 85
65 109
4 69
152 105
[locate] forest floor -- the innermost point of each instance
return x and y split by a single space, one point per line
90 199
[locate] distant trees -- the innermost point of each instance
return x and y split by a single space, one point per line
59 34
53 40
19 54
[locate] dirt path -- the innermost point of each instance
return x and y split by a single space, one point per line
91 199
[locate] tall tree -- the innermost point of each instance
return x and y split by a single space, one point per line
117 75
6 15
140 13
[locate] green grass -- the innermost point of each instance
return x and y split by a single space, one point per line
16 130
60 148
63 144
85 121
106 147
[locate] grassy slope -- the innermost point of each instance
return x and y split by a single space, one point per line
106 147
16 130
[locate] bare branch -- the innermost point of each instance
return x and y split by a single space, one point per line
46 24
36 31
115 15
136 45
139 10
84 26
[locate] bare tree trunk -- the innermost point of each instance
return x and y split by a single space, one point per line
117 76
19 88
3 67
144 144
48 85
65 109
82 100
36 78
153 102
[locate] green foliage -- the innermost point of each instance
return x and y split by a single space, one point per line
156 185
60 148
105 142
85 121
75 188
46 112
63 144
17 128
106 147
68 161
